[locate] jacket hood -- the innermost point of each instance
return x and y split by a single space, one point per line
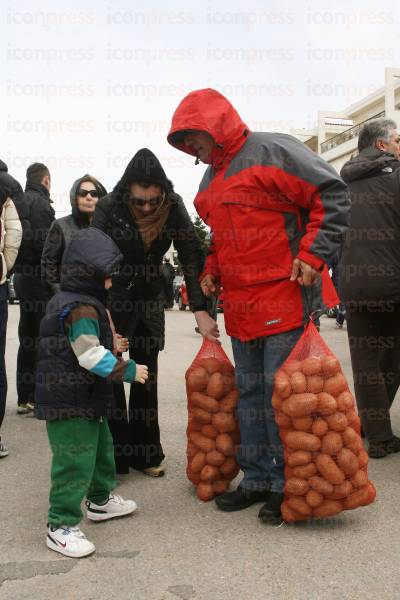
208 110
72 196
370 162
89 258
3 166
144 167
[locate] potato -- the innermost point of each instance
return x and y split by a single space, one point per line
359 479
283 420
209 431
276 401
328 508
205 491
300 457
298 440
204 402
330 366
197 462
203 443
211 365
282 384
345 401
289 515
302 423
319 427
215 458
197 379
314 499
359 497
223 422
201 416
320 485
352 440
337 421
191 450
332 443
292 366
300 405
315 384
193 477
335 385
362 458
341 491
229 383
305 471
230 468
194 425
229 402
210 473
329 469
296 486
347 461
326 404
299 505
235 435
224 444
215 386
311 365
220 487
353 420
298 383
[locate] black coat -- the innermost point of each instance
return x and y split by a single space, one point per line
40 215
63 388
138 290
370 259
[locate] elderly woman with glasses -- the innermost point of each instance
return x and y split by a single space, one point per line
84 195
144 216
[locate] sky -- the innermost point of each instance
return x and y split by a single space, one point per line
86 84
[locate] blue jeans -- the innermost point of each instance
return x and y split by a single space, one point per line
261 454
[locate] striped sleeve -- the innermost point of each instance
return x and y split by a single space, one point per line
83 332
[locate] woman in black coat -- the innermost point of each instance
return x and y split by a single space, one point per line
143 215
84 195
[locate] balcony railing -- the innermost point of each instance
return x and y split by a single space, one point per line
347 135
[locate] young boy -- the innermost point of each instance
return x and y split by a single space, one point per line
75 375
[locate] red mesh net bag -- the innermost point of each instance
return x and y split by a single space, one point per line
325 462
212 431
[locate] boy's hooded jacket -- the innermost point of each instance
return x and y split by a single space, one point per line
63 389
61 233
370 260
267 199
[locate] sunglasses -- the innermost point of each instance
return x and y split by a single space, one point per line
84 193
151 201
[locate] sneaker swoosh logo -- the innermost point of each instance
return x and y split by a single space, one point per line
62 544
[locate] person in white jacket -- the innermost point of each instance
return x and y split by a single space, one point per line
10 240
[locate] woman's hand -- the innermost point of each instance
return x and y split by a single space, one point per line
142 373
210 285
207 326
305 274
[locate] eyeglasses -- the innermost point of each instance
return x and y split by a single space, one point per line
142 202
84 193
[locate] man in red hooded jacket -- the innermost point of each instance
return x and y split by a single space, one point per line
277 212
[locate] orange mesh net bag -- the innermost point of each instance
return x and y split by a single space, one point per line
213 430
325 462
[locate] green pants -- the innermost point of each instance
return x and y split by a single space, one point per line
83 465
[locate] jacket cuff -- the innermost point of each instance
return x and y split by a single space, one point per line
311 260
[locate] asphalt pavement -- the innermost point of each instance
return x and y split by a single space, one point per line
175 546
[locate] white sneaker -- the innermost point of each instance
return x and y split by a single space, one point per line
114 507
3 450
69 541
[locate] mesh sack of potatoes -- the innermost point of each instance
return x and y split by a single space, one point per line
325 462
212 431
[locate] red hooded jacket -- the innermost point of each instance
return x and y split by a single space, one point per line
267 199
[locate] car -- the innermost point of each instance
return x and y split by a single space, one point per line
12 296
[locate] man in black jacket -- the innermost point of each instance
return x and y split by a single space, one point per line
370 279
28 286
